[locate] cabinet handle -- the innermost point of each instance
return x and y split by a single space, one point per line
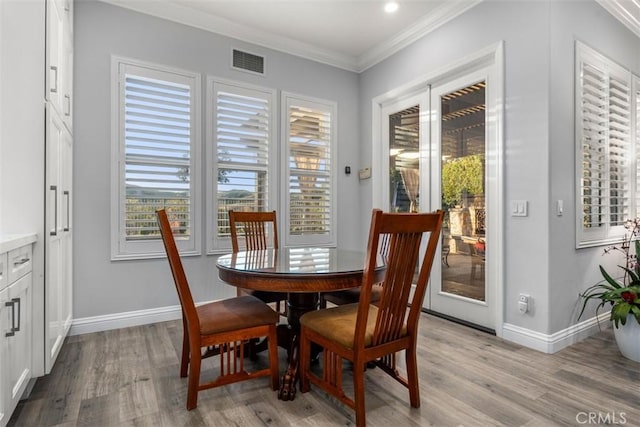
16 301
68 106
54 81
21 261
12 304
54 188
13 319
68 227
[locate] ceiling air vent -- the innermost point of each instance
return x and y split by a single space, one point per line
248 62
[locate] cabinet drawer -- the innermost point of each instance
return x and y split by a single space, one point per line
20 262
4 271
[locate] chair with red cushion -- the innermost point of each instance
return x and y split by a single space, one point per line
227 324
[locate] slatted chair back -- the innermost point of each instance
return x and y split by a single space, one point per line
179 277
258 230
401 235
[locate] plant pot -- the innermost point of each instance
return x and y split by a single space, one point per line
628 338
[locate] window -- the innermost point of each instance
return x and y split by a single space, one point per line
241 129
605 160
156 144
309 130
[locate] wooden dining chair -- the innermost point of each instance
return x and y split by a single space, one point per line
352 295
364 332
257 230
227 324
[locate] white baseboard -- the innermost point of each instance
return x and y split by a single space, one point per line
525 337
87 325
556 341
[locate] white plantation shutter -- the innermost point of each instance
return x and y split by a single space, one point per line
606 155
310 147
158 128
243 140
636 133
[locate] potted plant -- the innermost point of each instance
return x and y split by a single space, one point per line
622 295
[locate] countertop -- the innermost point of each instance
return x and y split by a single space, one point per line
9 242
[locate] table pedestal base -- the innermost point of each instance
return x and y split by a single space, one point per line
288 338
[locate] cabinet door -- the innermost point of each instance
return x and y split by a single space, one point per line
59 57
5 327
19 344
54 53
59 272
54 202
67 71
66 250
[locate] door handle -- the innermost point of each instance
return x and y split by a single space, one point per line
66 194
54 188
54 81
67 105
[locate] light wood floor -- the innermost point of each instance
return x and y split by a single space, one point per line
129 377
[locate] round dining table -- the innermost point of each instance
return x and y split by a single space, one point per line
303 273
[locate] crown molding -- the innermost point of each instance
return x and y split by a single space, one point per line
185 15
436 18
623 13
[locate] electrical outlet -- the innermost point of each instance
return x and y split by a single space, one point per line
523 303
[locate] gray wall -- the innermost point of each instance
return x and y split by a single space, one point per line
523 27
103 287
540 255
572 270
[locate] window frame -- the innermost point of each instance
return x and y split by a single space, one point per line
606 234
215 244
121 248
288 99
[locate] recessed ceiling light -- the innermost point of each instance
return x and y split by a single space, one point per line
390 6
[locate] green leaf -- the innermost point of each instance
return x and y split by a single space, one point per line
613 282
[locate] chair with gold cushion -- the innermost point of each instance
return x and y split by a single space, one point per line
227 324
258 230
352 295
364 332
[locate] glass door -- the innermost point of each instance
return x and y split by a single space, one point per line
459 135
404 159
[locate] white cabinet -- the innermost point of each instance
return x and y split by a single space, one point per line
58 182
59 58
58 249
15 328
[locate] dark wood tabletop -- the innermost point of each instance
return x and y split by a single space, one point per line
308 269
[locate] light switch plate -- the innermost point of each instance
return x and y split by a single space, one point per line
364 173
519 208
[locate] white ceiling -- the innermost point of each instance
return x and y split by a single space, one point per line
349 34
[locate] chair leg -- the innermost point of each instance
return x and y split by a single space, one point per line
273 357
323 302
412 375
304 362
194 379
358 393
184 360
